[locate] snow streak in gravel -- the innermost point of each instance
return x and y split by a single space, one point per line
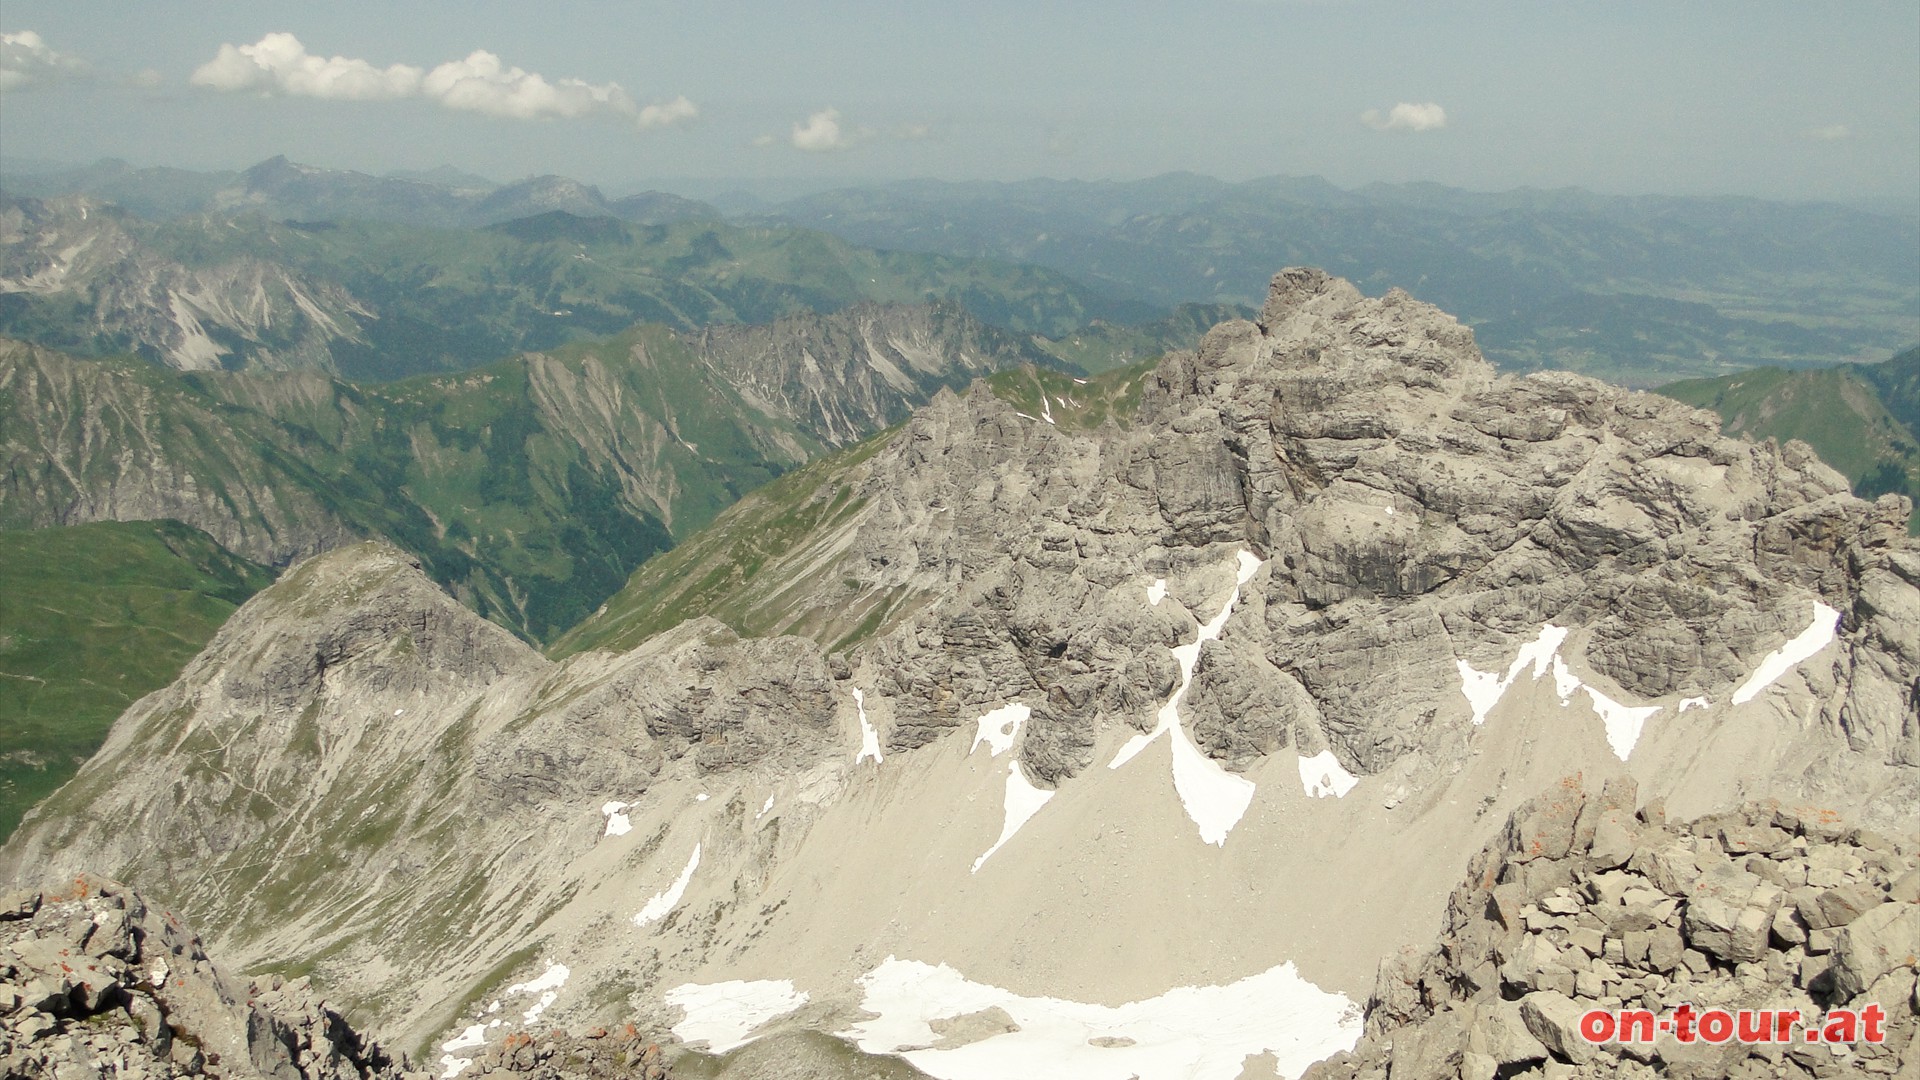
1815 637
1322 775
663 903
869 738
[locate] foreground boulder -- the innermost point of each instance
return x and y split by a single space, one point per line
94 982
1691 915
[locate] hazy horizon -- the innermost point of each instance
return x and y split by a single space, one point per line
1808 102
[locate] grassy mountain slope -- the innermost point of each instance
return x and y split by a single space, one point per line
1860 418
383 301
92 618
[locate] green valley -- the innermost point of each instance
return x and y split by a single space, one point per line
92 618
1862 419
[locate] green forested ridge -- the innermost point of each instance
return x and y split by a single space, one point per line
1862 419
91 618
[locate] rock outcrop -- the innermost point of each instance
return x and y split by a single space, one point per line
1584 903
95 983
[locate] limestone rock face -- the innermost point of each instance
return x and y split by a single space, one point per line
1411 510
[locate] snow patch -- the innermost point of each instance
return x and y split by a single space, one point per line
467 1040
1693 703
998 728
1156 592
1188 1033
618 824
1623 722
765 807
1815 637
1215 800
547 986
725 1013
1023 800
1322 775
1046 410
657 908
869 738
702 797
1483 690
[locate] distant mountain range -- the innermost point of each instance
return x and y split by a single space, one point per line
286 191
373 300
1639 290
1862 419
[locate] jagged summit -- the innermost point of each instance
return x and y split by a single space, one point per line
1085 690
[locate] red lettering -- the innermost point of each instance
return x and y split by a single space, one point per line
1783 1022
1874 1015
1683 1024
1596 1026
1636 1025
1755 1025
1842 1027
1716 1025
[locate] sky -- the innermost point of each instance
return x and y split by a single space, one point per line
1778 100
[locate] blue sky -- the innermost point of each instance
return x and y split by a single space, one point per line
1778 100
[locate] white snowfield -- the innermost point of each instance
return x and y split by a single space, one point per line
547 986
663 903
1323 776
1483 690
1022 802
1214 798
999 728
618 824
1189 1033
1818 634
724 1014
869 738
1624 723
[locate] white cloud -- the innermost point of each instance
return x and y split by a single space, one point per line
764 140
667 113
821 133
279 64
1407 116
25 60
1830 133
